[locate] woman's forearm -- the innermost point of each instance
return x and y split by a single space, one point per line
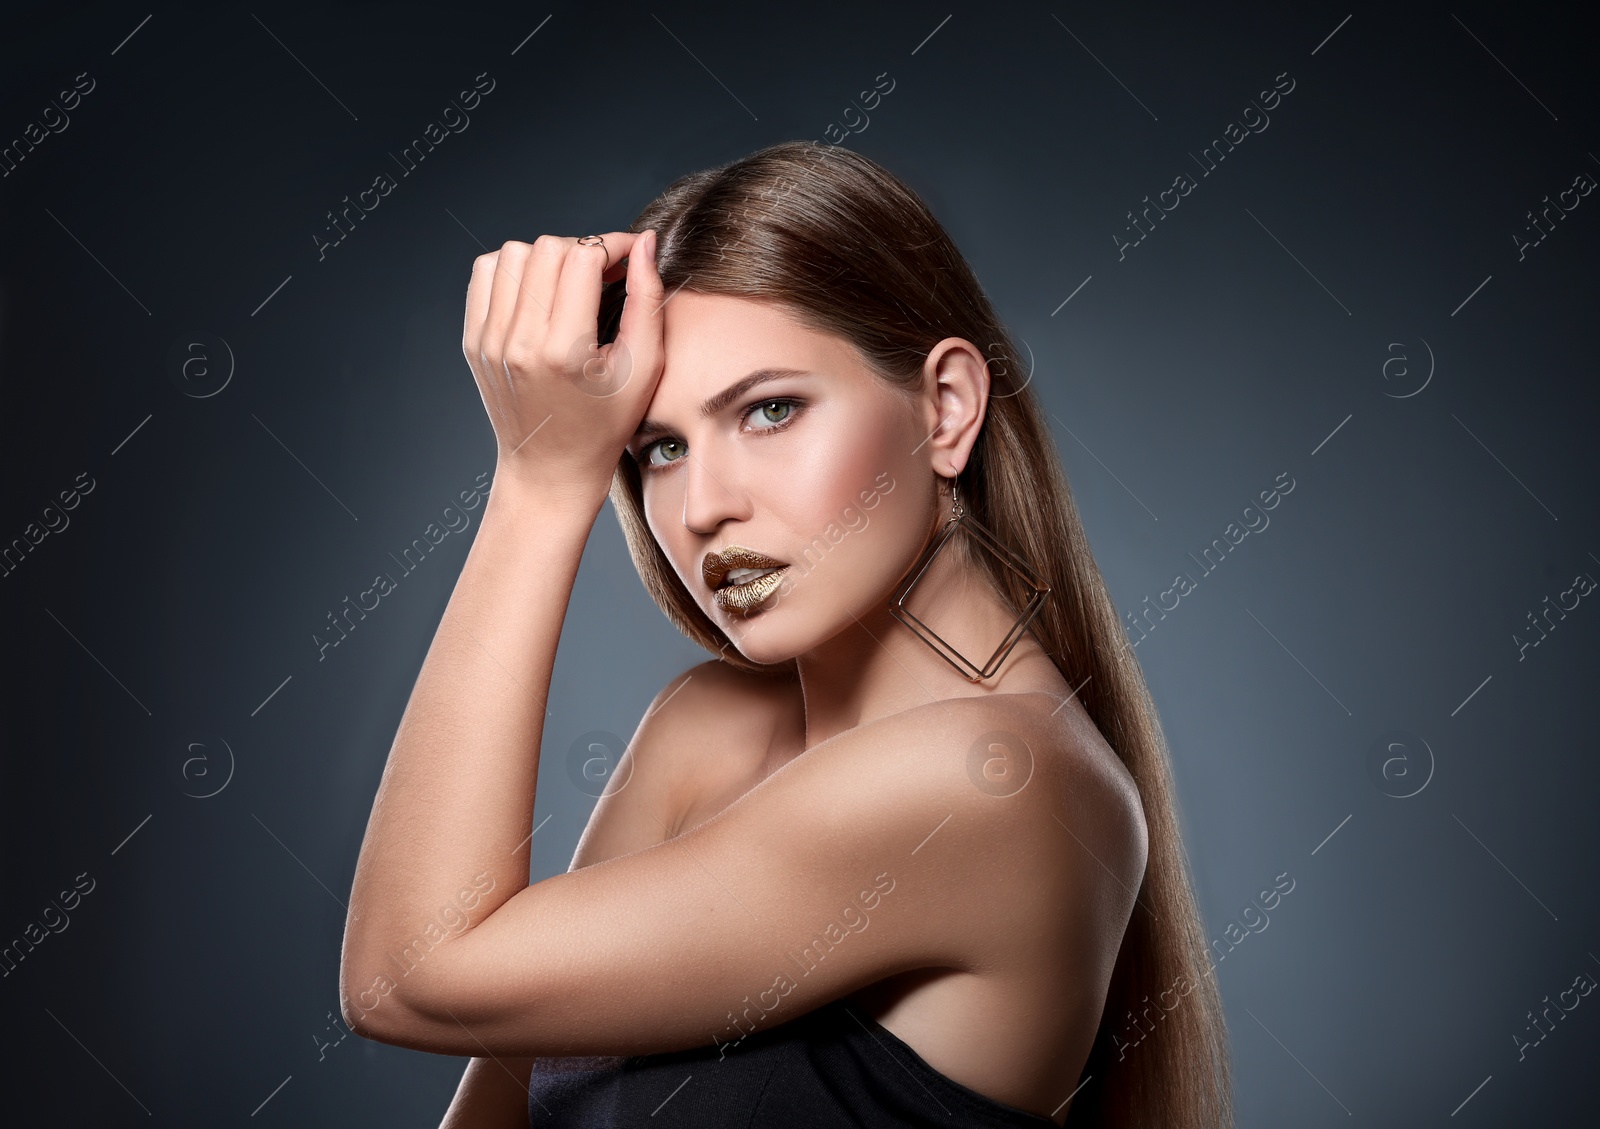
447 842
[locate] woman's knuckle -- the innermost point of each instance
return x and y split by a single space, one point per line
549 246
520 356
554 356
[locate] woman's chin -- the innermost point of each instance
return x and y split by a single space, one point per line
760 637
758 646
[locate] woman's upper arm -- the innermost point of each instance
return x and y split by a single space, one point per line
871 854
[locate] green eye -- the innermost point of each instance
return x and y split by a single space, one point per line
765 411
775 415
648 455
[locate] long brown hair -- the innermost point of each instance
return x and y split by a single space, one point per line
850 250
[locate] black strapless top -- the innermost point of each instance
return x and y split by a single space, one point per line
835 1066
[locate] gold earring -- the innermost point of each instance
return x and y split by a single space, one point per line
959 519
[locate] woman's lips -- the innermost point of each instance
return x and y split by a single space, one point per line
716 567
743 597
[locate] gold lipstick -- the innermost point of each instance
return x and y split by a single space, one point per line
744 594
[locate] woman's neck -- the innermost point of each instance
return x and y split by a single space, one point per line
877 667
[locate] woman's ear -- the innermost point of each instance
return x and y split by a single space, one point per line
955 381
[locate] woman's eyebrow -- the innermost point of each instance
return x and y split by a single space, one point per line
722 399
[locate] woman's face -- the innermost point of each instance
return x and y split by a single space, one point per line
821 467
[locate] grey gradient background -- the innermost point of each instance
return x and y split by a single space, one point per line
1247 336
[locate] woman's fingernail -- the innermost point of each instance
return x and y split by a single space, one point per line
650 248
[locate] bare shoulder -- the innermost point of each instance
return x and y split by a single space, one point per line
731 723
698 745
1004 744
1017 843
1100 796
1099 805
717 719
1051 812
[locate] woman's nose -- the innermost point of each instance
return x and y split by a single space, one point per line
709 500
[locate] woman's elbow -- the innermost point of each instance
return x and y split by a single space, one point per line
411 1009
370 1002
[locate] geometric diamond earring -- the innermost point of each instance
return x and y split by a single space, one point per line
960 520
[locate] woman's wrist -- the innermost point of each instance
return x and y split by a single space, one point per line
531 496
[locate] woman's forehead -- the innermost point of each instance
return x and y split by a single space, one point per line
712 340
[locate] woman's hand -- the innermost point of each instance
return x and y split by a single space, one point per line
563 408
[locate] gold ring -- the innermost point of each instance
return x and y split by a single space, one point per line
591 241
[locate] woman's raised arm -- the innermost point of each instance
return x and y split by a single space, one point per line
447 842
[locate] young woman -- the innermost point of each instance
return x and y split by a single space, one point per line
904 852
